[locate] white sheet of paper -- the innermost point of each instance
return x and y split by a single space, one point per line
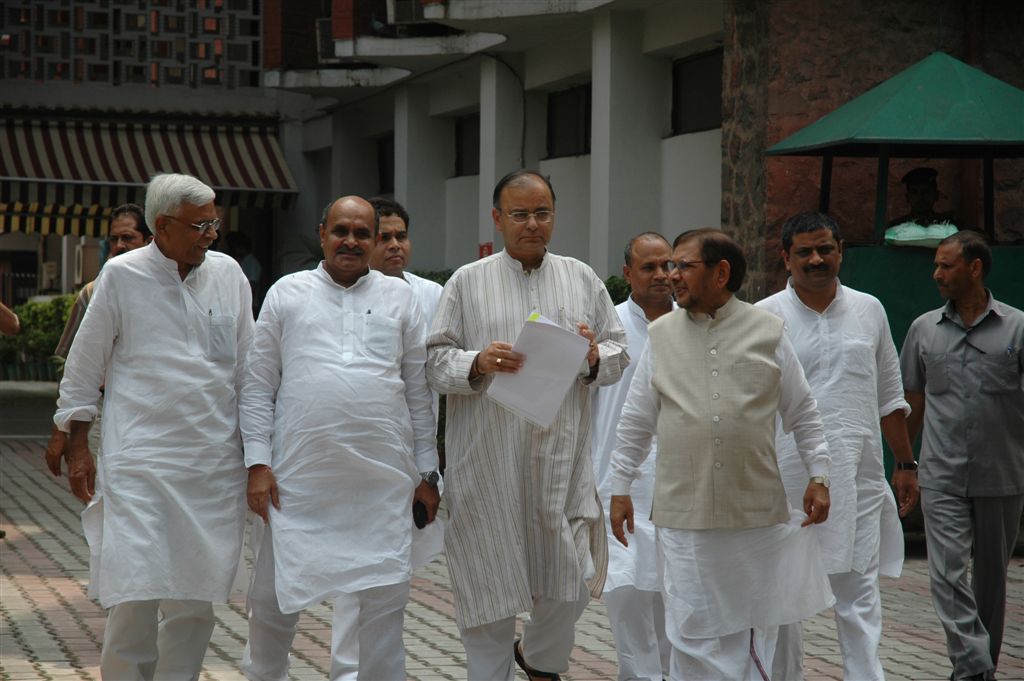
553 360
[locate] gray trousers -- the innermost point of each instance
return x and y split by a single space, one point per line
972 614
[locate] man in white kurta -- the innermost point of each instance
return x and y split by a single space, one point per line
735 561
526 530
632 590
846 350
339 441
166 331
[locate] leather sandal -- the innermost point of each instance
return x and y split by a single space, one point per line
531 673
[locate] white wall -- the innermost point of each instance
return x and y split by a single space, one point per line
462 221
570 177
691 182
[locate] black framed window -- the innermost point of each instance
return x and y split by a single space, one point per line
569 122
697 93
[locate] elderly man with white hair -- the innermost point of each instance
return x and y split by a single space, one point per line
167 332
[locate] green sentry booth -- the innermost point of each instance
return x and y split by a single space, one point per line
937 108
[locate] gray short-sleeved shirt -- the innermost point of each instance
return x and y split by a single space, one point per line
973 442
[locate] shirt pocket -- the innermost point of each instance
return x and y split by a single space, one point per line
859 356
752 375
936 374
1000 373
382 338
223 339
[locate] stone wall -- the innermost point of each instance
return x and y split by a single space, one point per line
745 76
815 57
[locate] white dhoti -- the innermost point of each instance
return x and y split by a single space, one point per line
721 584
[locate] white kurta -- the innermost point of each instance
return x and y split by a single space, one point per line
718 582
336 402
524 519
168 514
428 295
635 565
851 364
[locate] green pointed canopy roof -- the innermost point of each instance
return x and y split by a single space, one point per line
939 107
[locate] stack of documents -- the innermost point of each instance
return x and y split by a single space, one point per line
553 360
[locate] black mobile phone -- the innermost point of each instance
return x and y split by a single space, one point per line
419 515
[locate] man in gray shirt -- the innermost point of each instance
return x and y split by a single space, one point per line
962 371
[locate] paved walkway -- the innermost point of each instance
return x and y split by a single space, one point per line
50 629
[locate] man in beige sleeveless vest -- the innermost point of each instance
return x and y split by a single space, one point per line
736 561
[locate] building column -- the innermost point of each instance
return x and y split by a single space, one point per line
424 153
501 125
630 114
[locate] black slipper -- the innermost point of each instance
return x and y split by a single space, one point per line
530 671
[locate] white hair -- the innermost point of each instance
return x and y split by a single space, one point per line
166 193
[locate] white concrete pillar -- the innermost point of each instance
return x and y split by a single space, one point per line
501 125
631 105
424 157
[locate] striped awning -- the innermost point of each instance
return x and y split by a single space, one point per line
64 176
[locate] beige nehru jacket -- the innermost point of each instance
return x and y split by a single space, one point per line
718 383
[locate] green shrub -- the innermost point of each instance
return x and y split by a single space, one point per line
439 276
42 323
617 287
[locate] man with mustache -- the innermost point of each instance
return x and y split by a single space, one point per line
845 347
736 562
632 591
339 443
392 250
127 232
167 329
964 379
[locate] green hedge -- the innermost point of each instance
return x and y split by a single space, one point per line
29 355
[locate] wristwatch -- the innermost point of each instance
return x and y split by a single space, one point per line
431 478
821 480
906 466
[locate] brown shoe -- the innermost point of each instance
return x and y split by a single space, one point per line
532 673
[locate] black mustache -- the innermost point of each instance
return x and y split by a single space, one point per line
816 268
349 251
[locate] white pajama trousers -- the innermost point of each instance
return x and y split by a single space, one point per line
366 631
548 638
157 639
637 619
858 615
723 658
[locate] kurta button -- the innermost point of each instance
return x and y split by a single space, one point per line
715 419
718 464
713 351
714 396
714 372
718 440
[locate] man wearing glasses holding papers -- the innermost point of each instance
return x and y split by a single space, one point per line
526 530
167 331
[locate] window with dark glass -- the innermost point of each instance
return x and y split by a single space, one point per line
569 122
697 93
386 164
467 145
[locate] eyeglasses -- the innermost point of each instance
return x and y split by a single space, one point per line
683 265
202 226
520 217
